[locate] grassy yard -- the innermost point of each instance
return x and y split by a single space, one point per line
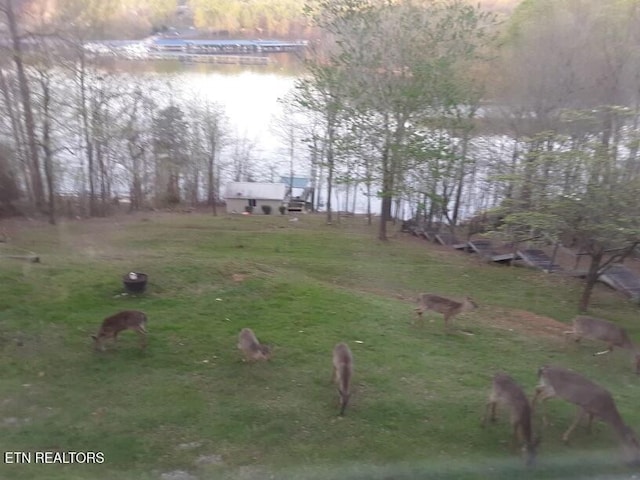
190 404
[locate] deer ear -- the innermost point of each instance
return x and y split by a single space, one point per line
94 337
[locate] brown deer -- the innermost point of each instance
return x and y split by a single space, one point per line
448 307
342 373
506 392
608 332
591 399
251 347
126 320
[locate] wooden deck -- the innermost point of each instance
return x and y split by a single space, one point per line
487 250
445 238
538 259
623 279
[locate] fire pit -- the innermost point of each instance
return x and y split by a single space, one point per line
135 282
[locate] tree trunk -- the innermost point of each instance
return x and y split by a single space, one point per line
17 132
330 165
25 94
592 277
461 174
387 183
48 153
88 140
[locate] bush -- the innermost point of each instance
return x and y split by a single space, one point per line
248 209
282 209
266 209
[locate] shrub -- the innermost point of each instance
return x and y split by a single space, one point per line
248 209
266 209
282 209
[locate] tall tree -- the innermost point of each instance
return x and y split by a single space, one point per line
321 94
8 9
398 60
170 150
212 123
9 191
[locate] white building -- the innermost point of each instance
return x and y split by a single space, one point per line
241 195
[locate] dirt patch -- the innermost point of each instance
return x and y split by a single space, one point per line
525 322
502 318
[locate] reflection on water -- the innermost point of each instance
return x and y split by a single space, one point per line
249 93
281 63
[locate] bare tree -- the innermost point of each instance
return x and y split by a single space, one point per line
212 123
8 9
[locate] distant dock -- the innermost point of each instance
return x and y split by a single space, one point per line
208 58
242 52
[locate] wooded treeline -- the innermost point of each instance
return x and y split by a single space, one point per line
436 108
75 137
531 122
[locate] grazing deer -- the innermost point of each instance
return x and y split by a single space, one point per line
125 320
251 347
598 329
342 373
591 399
448 307
506 392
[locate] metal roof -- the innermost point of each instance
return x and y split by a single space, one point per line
298 182
255 190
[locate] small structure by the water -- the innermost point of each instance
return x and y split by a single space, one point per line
234 47
299 194
251 197
189 50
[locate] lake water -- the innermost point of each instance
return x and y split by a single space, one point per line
251 101
249 94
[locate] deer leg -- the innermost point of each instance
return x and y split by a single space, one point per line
589 421
447 325
418 316
143 337
540 396
516 435
490 413
565 437
99 345
567 334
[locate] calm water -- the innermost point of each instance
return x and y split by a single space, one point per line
249 95
251 98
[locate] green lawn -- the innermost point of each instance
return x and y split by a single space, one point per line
189 403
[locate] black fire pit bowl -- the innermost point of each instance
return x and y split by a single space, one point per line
135 285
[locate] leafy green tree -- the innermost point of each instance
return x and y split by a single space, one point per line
598 213
321 94
99 19
568 84
399 62
170 150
